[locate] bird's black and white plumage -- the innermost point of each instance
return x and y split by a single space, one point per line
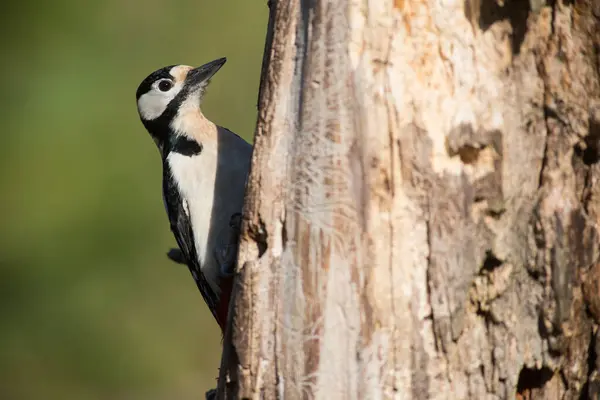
205 167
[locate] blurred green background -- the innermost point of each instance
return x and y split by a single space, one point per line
90 306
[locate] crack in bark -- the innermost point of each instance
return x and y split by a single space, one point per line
541 72
302 56
391 227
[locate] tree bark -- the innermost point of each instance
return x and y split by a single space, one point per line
421 219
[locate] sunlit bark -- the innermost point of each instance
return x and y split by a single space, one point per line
422 215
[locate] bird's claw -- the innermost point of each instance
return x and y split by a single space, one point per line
235 222
211 394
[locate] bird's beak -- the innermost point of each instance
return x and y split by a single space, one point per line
202 74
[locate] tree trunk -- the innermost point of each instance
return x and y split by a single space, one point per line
422 214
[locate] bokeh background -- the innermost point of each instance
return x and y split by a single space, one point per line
90 307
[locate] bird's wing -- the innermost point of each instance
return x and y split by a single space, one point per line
184 235
227 245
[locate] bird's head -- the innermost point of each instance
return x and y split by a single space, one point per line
173 92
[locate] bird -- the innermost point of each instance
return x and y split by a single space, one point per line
205 169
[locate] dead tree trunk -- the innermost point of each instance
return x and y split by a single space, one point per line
422 214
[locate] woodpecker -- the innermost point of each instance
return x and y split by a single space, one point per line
205 167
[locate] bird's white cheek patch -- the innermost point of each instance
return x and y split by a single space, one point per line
151 105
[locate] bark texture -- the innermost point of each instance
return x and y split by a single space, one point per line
422 215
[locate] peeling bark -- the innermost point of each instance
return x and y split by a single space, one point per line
422 214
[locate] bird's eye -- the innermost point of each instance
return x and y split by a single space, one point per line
165 85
